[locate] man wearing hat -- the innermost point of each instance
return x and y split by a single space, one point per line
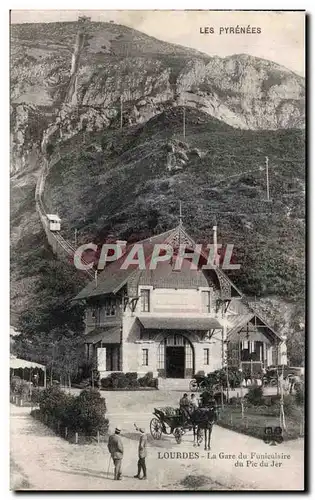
142 453
116 449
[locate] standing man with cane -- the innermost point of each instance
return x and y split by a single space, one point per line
116 449
142 453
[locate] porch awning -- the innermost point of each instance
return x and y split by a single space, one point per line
158 323
105 335
17 363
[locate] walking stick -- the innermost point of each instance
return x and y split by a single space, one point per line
108 466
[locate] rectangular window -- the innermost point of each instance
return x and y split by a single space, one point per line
145 357
110 307
206 302
206 356
145 300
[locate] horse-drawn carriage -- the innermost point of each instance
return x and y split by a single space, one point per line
169 421
173 421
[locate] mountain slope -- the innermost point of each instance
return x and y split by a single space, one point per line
150 76
128 185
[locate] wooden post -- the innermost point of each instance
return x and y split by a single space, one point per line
45 378
66 432
282 417
76 438
222 400
98 437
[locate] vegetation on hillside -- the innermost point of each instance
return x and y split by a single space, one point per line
135 195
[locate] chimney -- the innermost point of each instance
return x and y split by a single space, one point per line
215 245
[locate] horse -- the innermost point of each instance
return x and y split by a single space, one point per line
203 419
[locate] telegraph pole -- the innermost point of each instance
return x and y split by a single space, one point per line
121 112
184 121
267 177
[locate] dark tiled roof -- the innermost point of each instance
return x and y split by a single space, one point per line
112 278
106 335
171 323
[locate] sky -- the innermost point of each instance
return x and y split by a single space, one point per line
281 39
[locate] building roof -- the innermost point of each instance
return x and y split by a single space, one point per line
113 278
105 335
53 217
182 323
263 330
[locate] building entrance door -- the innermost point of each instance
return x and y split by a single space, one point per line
175 362
175 357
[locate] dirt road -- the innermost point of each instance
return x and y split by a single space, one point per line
43 461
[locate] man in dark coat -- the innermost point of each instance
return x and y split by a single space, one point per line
142 453
116 449
184 405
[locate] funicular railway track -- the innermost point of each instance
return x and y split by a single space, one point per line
58 244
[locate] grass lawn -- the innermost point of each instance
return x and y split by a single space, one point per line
257 418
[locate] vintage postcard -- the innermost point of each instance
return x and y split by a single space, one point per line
157 250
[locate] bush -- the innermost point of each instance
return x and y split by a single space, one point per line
55 404
233 401
14 382
119 380
299 395
23 389
289 405
106 383
35 396
255 396
87 412
271 400
219 377
84 413
131 379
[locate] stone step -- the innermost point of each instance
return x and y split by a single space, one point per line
175 384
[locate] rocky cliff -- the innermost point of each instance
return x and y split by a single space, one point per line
112 62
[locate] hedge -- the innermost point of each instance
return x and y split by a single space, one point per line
119 380
84 413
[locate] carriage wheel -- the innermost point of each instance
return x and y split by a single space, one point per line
193 386
178 432
156 428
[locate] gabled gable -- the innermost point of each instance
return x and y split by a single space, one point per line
251 321
113 278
